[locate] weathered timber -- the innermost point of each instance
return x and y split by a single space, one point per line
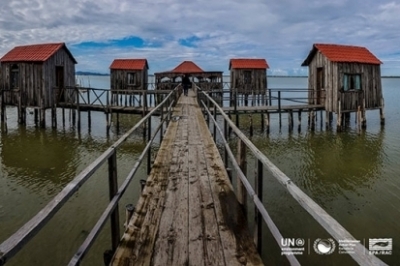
165 228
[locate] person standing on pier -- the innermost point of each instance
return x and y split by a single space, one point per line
185 84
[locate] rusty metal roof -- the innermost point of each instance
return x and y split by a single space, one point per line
187 67
129 64
343 53
34 52
245 63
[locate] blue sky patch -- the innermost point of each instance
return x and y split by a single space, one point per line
131 41
189 42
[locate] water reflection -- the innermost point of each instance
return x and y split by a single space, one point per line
325 164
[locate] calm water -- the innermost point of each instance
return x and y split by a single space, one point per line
354 177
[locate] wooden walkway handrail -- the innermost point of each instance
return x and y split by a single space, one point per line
251 192
361 254
16 241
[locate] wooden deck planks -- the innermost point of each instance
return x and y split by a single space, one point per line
188 213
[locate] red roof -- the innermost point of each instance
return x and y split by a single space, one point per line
34 53
343 53
187 67
129 64
248 63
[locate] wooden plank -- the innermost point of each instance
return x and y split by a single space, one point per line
206 236
237 244
171 247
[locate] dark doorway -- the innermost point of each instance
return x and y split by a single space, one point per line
60 83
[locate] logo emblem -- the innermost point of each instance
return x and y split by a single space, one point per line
380 246
324 246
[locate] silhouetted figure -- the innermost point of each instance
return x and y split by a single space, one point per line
185 84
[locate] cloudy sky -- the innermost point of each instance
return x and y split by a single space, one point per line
167 32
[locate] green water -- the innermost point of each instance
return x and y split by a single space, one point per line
354 177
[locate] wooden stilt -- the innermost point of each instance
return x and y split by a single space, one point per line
251 124
290 120
267 122
381 112
339 118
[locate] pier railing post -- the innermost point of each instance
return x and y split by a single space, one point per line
148 139
113 189
215 126
257 216
236 113
241 190
279 109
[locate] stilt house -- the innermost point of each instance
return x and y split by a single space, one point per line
36 75
206 80
129 74
344 78
249 76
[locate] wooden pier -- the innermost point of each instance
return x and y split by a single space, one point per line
188 213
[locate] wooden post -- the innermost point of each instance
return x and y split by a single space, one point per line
208 116
262 122
148 139
89 114
63 116
339 118
36 116
19 109
113 189
299 120
235 108
290 120
108 120
251 124
129 209
241 190
226 135
359 119
327 119
215 123
78 110
117 122
42 115
258 219
142 184
381 112
53 116
2 105
162 123
267 121
270 97
364 118
279 109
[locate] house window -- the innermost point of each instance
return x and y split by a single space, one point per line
247 77
351 82
14 76
131 78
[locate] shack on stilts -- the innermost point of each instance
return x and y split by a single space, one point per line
344 79
35 76
248 77
206 80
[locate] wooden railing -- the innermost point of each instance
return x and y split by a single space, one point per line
360 255
14 243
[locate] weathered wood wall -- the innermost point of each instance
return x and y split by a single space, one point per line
258 84
37 80
119 79
371 87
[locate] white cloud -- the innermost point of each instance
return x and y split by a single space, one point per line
280 31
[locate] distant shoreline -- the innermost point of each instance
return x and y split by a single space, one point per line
85 73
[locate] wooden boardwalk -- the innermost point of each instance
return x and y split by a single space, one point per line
188 213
